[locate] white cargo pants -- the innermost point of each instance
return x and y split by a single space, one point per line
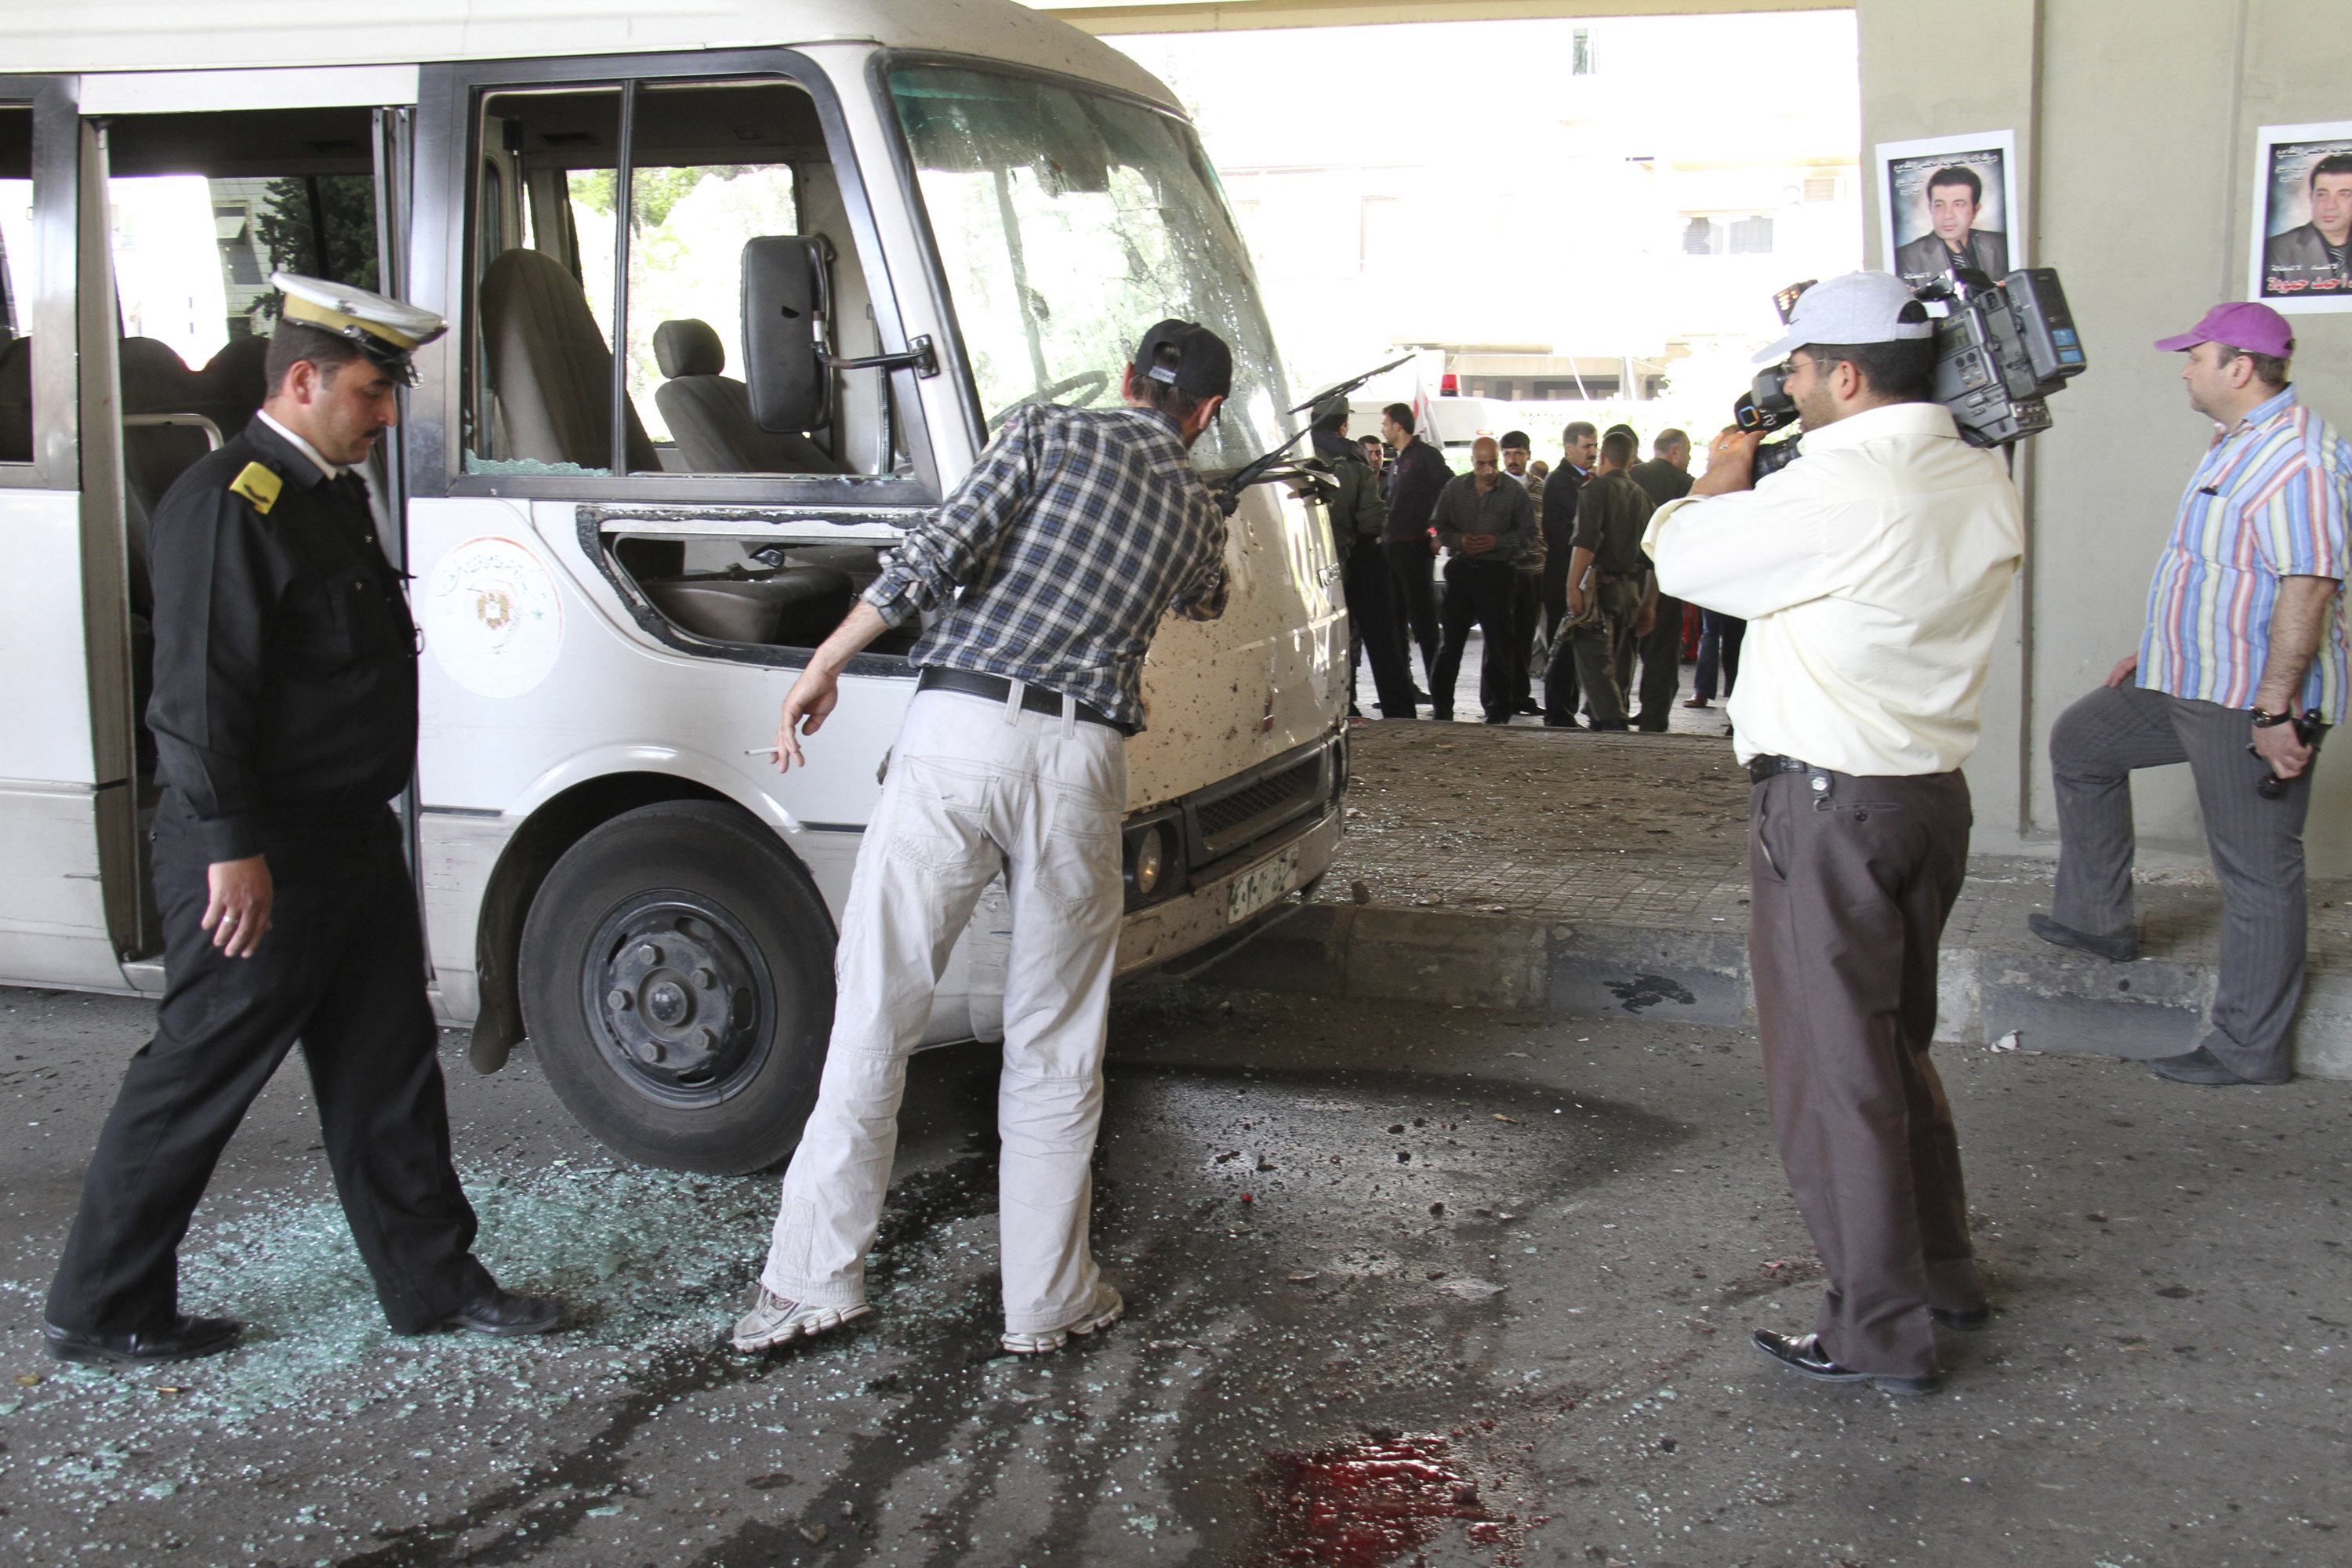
974 786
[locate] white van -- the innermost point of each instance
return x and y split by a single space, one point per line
837 242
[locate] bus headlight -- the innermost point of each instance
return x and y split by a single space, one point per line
1150 862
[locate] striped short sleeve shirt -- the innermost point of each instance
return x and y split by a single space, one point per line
2269 500
1054 560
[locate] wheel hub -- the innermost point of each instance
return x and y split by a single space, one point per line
679 996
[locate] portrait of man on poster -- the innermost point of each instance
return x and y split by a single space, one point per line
2313 256
1956 202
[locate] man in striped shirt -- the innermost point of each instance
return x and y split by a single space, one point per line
2244 638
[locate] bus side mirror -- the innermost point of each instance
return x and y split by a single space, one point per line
784 312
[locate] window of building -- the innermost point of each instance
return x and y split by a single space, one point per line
1749 234
566 265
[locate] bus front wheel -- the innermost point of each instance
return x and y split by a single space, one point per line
677 978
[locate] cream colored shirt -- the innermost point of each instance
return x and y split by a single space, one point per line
1872 573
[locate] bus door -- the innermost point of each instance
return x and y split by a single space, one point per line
647 484
65 823
201 185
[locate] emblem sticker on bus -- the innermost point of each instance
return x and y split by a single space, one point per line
493 619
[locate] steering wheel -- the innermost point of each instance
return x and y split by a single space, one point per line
1092 382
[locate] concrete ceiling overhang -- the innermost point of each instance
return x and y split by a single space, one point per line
1110 16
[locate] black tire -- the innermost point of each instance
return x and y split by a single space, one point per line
677 977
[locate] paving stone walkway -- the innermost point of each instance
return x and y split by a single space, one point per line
1652 830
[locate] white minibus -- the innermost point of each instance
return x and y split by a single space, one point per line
738 290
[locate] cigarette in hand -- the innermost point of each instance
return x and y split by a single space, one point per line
761 752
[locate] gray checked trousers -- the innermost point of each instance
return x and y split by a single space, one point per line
974 786
2256 845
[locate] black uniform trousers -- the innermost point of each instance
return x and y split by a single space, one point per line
1527 610
343 971
1481 592
1376 631
1661 666
1562 690
1853 880
1414 571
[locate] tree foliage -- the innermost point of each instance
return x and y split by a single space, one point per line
347 211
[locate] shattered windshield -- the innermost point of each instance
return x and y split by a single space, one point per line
1069 222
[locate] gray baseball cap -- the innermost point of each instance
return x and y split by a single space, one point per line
1859 308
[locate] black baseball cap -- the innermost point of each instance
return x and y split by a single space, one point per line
1205 365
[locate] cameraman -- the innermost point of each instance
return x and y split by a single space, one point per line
1872 573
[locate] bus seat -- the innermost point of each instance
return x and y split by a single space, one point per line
551 367
155 380
709 415
16 401
234 383
798 607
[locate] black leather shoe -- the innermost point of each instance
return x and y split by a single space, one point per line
186 1339
1966 1322
1802 1355
2120 948
2200 1066
506 1312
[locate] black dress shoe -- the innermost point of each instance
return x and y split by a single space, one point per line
184 1339
1966 1322
1529 708
506 1312
2120 948
2200 1065
1802 1355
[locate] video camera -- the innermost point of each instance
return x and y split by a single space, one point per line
2000 350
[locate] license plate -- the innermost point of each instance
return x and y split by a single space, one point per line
1260 886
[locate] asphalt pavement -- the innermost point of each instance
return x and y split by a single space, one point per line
1406 1283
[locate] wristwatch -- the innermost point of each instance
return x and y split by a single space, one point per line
2265 719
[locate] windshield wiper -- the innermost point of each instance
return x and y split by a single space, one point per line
1262 469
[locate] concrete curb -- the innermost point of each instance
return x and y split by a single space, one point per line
2052 1001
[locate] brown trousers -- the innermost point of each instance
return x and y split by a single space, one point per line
1853 880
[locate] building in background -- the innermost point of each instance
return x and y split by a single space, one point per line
1586 211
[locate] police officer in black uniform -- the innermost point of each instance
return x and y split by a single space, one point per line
285 719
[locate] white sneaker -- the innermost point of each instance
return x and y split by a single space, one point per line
776 1321
1105 1311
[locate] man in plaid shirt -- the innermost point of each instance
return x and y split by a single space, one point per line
1045 575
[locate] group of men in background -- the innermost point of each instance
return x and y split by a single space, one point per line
1527 549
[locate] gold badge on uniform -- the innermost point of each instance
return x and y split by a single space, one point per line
258 485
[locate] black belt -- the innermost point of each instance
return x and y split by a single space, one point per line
996 688
1764 768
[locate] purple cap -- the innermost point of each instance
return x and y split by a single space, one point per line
2254 329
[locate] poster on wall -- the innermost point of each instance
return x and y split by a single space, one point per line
2303 217
1947 201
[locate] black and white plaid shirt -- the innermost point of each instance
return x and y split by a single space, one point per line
1075 533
